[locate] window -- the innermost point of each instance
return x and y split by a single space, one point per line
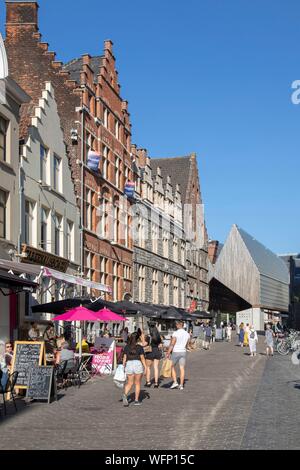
44 228
106 118
117 129
166 244
176 292
89 266
43 163
182 253
155 236
117 172
116 221
126 174
57 232
70 241
90 209
3 131
142 284
57 173
3 201
29 208
166 289
115 281
105 162
88 145
155 299
175 250
103 270
182 294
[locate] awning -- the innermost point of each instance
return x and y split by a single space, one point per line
47 272
12 282
36 270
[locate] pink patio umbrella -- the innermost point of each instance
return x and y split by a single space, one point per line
78 314
107 316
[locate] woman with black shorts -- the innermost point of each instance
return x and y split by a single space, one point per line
153 355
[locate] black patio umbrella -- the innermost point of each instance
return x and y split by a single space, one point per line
60 306
173 314
201 315
100 304
130 308
152 311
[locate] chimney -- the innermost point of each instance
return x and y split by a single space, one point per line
21 17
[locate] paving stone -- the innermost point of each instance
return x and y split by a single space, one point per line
231 401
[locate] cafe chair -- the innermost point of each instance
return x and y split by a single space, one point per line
60 371
9 388
74 374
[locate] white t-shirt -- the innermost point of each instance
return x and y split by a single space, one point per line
182 338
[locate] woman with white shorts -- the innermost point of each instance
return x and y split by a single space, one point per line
135 365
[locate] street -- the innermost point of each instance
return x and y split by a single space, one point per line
231 401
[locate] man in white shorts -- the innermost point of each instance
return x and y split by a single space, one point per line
178 347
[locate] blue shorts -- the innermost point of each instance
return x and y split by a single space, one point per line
134 368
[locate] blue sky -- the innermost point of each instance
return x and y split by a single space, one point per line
212 77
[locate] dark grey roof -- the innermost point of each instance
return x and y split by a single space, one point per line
75 67
178 168
266 261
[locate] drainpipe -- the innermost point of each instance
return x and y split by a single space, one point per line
21 194
82 199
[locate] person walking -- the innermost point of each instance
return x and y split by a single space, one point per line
229 332
153 355
269 340
178 348
253 340
246 335
241 335
208 336
135 365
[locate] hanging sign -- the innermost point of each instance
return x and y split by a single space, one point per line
129 189
93 160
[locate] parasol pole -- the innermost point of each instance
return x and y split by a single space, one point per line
80 342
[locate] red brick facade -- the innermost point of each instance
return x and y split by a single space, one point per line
93 99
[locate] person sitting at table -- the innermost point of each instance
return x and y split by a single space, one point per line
34 332
66 354
84 345
3 366
9 354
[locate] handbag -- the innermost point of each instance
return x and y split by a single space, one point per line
120 374
147 349
166 370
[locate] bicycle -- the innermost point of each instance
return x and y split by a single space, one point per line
289 344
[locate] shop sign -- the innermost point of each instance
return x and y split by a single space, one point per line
35 256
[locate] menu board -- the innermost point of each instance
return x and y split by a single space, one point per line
41 383
27 355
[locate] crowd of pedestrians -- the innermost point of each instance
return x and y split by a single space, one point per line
143 353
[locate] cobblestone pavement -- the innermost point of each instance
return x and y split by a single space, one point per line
231 401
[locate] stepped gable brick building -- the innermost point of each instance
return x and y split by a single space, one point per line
95 123
183 171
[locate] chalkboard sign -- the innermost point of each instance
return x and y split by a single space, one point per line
41 384
27 355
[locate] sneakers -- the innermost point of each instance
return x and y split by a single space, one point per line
125 400
137 403
175 385
181 387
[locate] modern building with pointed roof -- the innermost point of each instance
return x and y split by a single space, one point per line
248 277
